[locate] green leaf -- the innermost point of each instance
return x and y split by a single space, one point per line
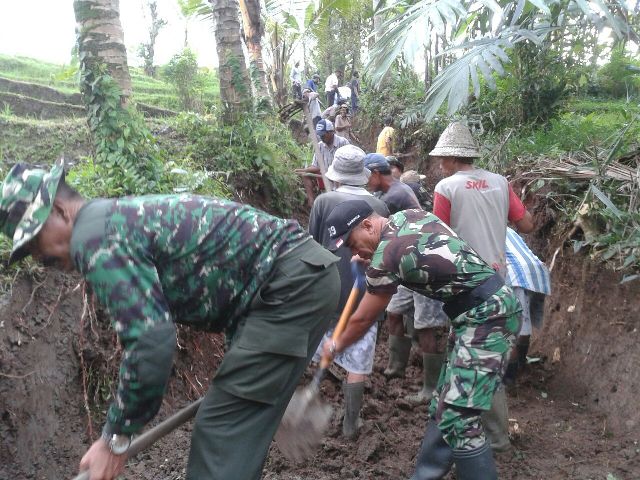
606 201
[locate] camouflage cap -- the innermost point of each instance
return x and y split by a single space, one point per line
27 198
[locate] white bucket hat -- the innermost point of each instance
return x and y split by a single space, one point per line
456 141
348 166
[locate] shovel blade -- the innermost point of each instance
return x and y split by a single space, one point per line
303 424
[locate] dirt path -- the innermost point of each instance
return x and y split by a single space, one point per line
555 437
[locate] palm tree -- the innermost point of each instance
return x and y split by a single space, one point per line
101 40
481 36
253 32
235 89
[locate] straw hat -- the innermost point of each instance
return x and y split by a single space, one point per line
456 141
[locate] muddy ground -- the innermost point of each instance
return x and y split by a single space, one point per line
559 430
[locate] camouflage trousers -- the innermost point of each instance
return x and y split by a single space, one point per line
479 344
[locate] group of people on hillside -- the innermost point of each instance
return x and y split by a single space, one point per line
334 101
276 289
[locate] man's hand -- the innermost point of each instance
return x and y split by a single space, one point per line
101 463
330 349
365 261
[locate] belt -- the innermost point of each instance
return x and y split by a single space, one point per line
464 302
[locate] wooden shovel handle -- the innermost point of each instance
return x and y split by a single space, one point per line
342 323
151 436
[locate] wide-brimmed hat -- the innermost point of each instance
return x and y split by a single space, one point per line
456 141
348 166
411 176
27 197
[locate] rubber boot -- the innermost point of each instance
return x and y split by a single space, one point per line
496 422
351 423
523 349
476 464
431 366
399 350
435 457
509 379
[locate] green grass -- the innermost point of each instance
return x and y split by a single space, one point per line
42 141
152 91
584 124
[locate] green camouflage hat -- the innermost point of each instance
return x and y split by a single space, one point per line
27 198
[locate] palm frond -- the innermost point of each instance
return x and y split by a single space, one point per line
487 56
412 24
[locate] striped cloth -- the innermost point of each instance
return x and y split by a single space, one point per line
524 269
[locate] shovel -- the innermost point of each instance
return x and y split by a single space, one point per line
307 416
148 438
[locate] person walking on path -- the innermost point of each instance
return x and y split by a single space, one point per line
343 123
355 92
220 266
416 249
349 175
330 142
529 279
331 87
313 82
385 144
478 205
296 81
314 105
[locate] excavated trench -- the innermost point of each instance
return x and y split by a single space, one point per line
573 416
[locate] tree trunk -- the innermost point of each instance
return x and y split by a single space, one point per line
101 40
436 59
427 67
378 20
154 30
253 32
235 87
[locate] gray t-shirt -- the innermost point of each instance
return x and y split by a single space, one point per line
480 210
322 207
400 197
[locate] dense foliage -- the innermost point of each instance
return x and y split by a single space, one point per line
183 73
256 157
126 159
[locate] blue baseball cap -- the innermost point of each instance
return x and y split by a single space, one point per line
377 161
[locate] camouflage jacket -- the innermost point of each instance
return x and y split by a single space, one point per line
422 253
158 259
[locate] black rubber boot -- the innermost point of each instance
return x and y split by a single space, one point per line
511 374
351 423
523 349
476 464
435 456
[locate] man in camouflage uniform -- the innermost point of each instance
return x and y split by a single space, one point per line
415 249
205 262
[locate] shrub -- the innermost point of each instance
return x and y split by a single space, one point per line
257 156
183 73
618 77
